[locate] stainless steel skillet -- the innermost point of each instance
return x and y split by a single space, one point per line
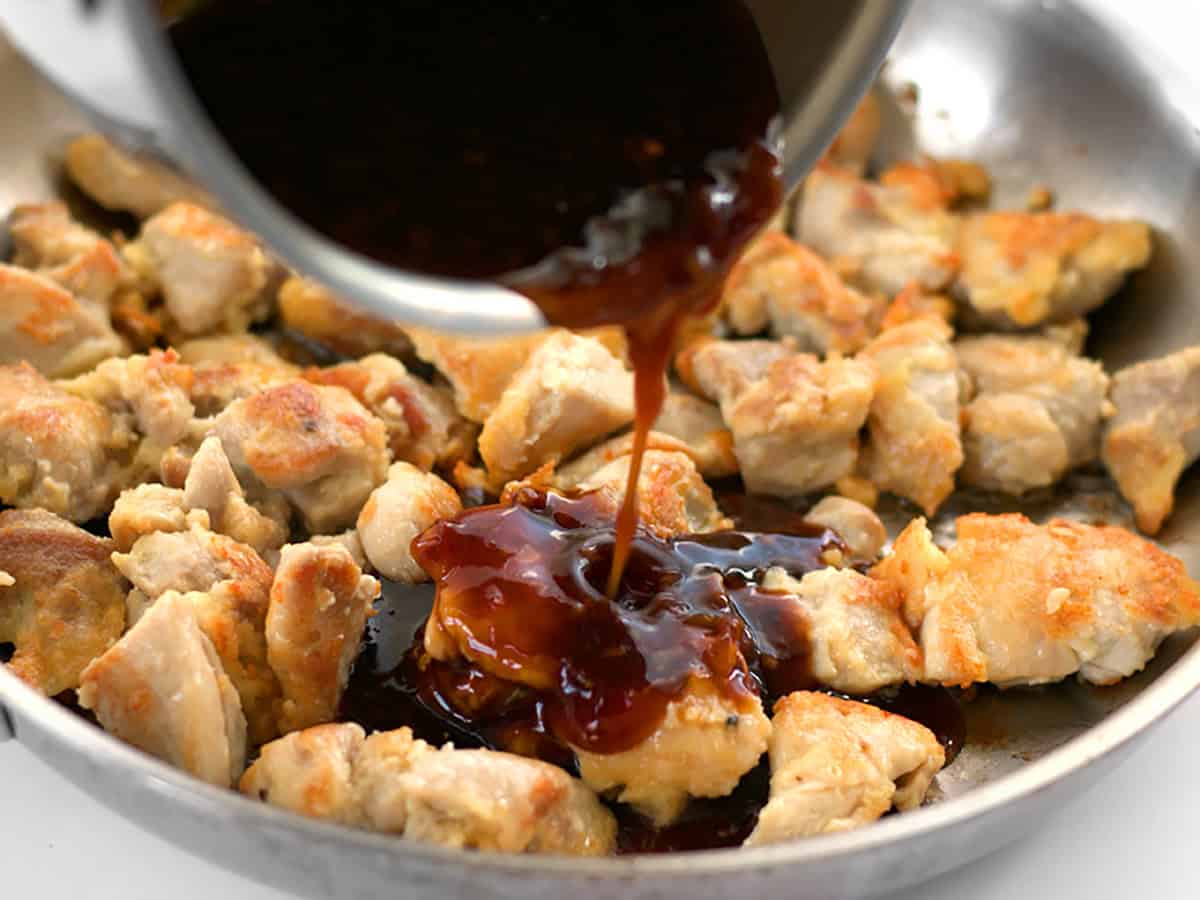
1042 92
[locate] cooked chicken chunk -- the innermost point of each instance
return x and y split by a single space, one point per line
571 475
317 445
1037 412
394 783
56 332
852 147
313 311
855 523
837 764
127 182
859 642
782 284
1017 603
915 443
230 348
914 302
63 604
1022 269
396 512
213 276
938 183
144 510
568 394
216 385
47 239
698 424
1155 432
161 688
56 450
881 238
423 425
705 744
320 601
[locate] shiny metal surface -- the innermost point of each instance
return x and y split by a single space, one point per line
1045 93
113 59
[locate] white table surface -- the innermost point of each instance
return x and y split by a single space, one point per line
1135 835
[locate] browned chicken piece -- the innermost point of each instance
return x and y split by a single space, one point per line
858 640
216 385
697 423
570 475
880 238
162 689
47 239
795 420
933 183
781 284
144 510
230 348
1023 269
320 601
213 276
312 310
1017 603
394 783
423 425
837 764
127 182
63 603
855 523
1037 411
915 442
317 445
852 147
1154 433
1071 334
349 541
569 393
45 325
705 744
915 303
56 450
407 503
212 486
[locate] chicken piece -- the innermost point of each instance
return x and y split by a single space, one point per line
394 783
569 476
1023 269
858 640
570 392
46 326
698 424
314 311
144 510
914 303
317 445
423 425
47 239
407 503
1017 603
1154 433
56 450
880 238
782 284
795 420
64 603
673 498
349 541
213 276
212 486
127 182
230 348
1037 412
1071 334
161 688
915 441
855 523
320 601
216 385
938 183
706 742
853 145
837 764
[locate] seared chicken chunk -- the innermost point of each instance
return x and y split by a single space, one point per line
213 276
914 302
783 285
315 312
837 764
63 603
317 445
47 239
144 510
571 475
706 742
393 783
216 385
50 328
320 601
127 182
1017 603
1022 269
162 689
230 348
698 424
568 394
396 512
1155 432
856 524
915 442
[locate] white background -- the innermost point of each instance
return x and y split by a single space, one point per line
1135 835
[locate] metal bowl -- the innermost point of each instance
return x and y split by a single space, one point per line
1044 92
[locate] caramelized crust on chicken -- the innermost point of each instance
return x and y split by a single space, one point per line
127 182
407 503
1017 603
63 604
45 238
837 764
217 385
314 311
